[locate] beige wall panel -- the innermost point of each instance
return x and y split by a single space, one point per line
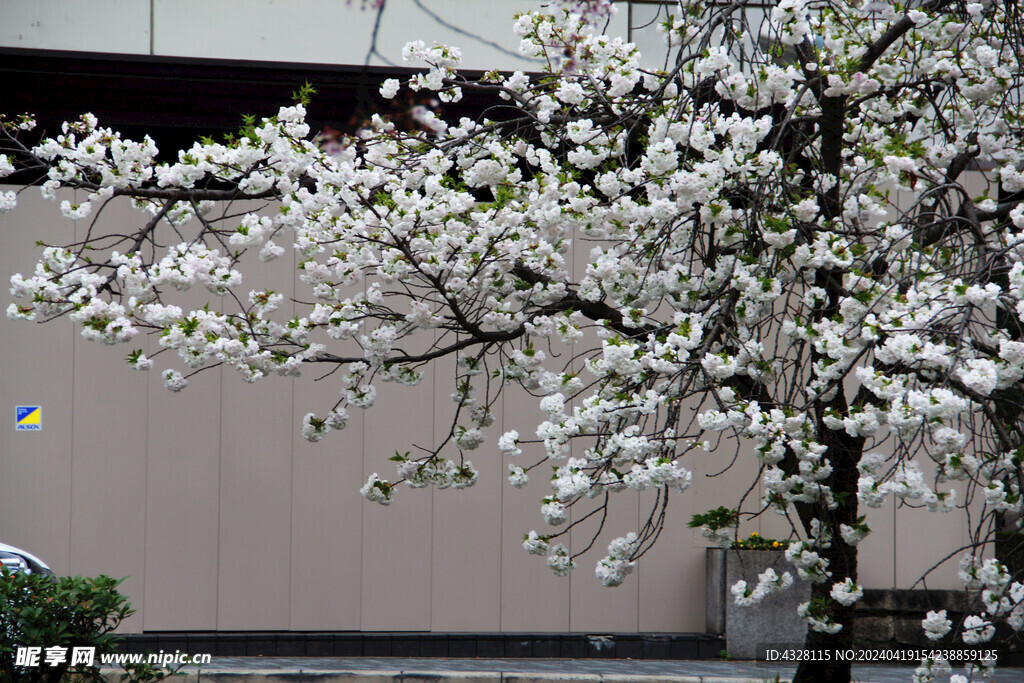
466 572
532 597
670 577
35 369
327 510
254 582
977 184
922 539
182 507
397 539
720 477
594 607
876 554
108 470
255 504
655 596
771 524
941 529
109 461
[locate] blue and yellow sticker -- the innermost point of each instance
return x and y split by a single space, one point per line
28 418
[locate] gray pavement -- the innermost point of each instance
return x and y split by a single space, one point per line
443 670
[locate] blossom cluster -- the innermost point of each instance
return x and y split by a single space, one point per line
768 582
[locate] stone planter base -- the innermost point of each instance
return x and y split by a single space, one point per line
774 620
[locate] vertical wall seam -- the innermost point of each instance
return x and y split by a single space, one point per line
501 516
291 471
362 519
894 546
220 493
639 577
152 26
71 454
362 510
145 505
433 493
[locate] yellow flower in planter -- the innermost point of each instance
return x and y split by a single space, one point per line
757 542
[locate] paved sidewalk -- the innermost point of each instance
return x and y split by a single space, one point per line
436 670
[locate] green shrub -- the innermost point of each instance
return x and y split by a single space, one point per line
67 612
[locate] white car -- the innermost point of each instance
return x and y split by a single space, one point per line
17 560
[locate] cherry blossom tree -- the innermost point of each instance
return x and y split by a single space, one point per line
781 252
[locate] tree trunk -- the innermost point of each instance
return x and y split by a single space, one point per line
827 666
844 452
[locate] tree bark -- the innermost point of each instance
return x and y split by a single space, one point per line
826 665
844 453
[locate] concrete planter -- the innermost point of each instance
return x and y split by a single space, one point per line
773 621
